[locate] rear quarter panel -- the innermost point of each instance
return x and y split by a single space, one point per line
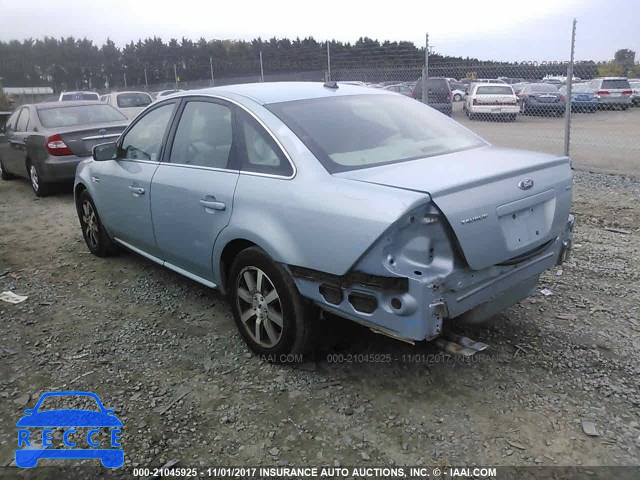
322 223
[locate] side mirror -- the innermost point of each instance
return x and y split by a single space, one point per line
105 151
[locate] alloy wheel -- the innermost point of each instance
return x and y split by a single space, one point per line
260 307
90 222
33 175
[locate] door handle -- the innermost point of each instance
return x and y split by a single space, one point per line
136 190
213 205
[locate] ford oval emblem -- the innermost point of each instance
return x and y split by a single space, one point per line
525 184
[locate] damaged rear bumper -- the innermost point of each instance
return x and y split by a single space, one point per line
414 309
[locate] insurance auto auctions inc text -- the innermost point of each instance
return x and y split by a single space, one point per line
364 472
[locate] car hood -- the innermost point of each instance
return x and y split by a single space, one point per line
69 418
500 203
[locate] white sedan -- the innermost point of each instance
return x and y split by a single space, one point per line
491 99
129 103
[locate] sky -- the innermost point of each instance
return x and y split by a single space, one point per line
529 30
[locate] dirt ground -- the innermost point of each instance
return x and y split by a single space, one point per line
164 352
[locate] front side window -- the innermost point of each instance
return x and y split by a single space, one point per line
348 132
204 137
144 140
261 153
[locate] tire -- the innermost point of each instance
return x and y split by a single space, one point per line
40 188
94 233
253 282
457 97
4 174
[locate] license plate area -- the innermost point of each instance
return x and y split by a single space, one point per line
526 223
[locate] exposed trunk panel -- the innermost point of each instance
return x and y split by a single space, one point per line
500 203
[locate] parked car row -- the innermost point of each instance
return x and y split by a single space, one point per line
223 185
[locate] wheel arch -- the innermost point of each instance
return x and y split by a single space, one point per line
228 254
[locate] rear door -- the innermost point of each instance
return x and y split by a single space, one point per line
123 187
193 188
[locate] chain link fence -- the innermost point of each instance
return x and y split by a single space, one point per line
559 107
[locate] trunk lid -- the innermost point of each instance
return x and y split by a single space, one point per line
81 140
500 203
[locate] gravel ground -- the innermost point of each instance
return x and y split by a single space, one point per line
164 352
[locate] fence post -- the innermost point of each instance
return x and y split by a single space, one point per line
328 62
125 79
261 68
146 83
175 75
567 113
211 65
425 71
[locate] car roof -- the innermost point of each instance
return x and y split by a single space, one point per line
276 92
77 91
492 84
72 103
130 91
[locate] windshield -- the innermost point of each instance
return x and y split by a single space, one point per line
494 90
78 115
544 87
127 100
359 131
65 402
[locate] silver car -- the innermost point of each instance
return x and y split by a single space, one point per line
45 142
612 92
299 198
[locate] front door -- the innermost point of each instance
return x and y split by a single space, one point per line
125 183
192 190
14 150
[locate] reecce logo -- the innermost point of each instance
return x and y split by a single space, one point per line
27 455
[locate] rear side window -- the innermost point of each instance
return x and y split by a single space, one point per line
616 83
494 90
261 153
144 140
11 121
204 137
23 121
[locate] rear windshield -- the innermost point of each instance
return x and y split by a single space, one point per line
583 88
494 90
617 83
79 96
434 84
544 87
360 131
78 115
126 100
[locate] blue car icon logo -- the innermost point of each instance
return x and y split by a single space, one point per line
69 420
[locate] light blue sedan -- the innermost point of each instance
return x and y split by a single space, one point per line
300 198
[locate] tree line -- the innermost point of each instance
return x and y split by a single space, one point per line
72 63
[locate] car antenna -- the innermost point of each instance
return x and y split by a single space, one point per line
331 84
